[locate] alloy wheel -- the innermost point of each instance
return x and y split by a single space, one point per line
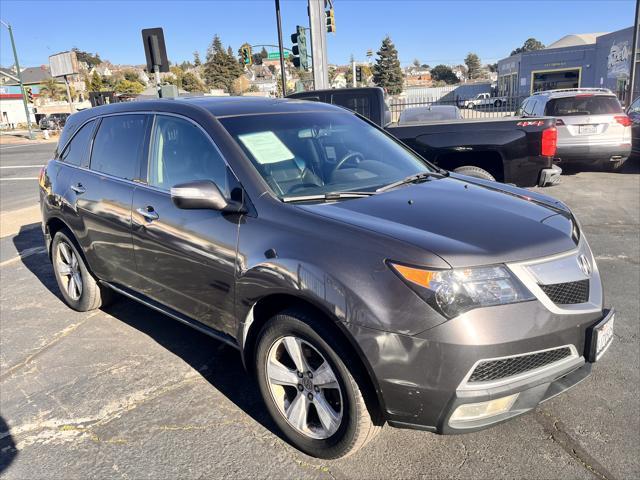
304 387
69 269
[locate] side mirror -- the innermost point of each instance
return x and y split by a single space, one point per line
202 194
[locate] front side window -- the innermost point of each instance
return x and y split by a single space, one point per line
77 152
181 152
119 145
314 153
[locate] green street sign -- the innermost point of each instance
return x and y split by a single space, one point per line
276 55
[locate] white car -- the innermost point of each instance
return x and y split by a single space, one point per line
484 100
592 126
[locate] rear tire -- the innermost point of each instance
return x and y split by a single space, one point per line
79 288
477 172
335 419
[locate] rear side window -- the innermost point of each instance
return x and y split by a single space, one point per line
529 107
119 144
357 103
77 152
583 105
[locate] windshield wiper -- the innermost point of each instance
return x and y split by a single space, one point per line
327 196
416 177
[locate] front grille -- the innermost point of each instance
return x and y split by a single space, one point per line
567 293
508 367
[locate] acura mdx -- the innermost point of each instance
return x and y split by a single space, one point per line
361 284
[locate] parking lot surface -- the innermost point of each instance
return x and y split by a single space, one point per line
126 392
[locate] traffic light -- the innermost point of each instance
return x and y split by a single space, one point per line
29 94
331 21
299 49
358 74
246 55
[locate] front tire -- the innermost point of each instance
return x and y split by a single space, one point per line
477 172
79 288
315 400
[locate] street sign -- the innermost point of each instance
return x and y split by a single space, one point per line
155 50
276 55
62 64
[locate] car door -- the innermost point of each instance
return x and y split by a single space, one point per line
185 259
102 196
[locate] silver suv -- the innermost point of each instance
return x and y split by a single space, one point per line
592 127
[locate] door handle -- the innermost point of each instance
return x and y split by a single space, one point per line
78 188
148 213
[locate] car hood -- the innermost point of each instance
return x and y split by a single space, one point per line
463 222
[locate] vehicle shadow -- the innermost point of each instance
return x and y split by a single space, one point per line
632 165
218 363
8 451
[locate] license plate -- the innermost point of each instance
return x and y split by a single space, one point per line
587 129
601 337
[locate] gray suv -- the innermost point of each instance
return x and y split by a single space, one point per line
361 284
592 127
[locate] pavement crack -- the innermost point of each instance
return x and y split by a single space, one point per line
46 346
466 455
555 429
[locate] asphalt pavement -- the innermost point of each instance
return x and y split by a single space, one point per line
128 393
19 169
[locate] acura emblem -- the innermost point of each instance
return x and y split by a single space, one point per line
584 265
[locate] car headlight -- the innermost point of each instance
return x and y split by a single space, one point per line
453 292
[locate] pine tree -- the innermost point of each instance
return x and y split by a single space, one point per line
386 71
472 61
196 58
95 82
221 68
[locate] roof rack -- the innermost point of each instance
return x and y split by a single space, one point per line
560 90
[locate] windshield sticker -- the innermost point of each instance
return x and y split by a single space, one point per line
266 147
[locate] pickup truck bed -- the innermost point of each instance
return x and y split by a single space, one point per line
508 149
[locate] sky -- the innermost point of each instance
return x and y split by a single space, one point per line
432 31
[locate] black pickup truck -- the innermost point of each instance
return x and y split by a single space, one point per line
511 149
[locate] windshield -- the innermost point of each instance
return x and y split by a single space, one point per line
314 153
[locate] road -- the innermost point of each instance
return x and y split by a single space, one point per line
128 393
19 168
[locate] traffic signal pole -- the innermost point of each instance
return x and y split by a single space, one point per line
24 93
280 49
318 26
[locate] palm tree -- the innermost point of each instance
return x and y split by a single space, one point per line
52 90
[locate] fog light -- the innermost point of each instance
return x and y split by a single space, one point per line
477 411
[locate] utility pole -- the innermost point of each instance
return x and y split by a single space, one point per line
318 27
72 109
634 56
24 93
281 50
353 73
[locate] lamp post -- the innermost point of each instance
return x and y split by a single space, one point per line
24 93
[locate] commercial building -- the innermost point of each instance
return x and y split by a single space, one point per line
12 111
578 60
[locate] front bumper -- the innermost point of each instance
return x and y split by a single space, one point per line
422 379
